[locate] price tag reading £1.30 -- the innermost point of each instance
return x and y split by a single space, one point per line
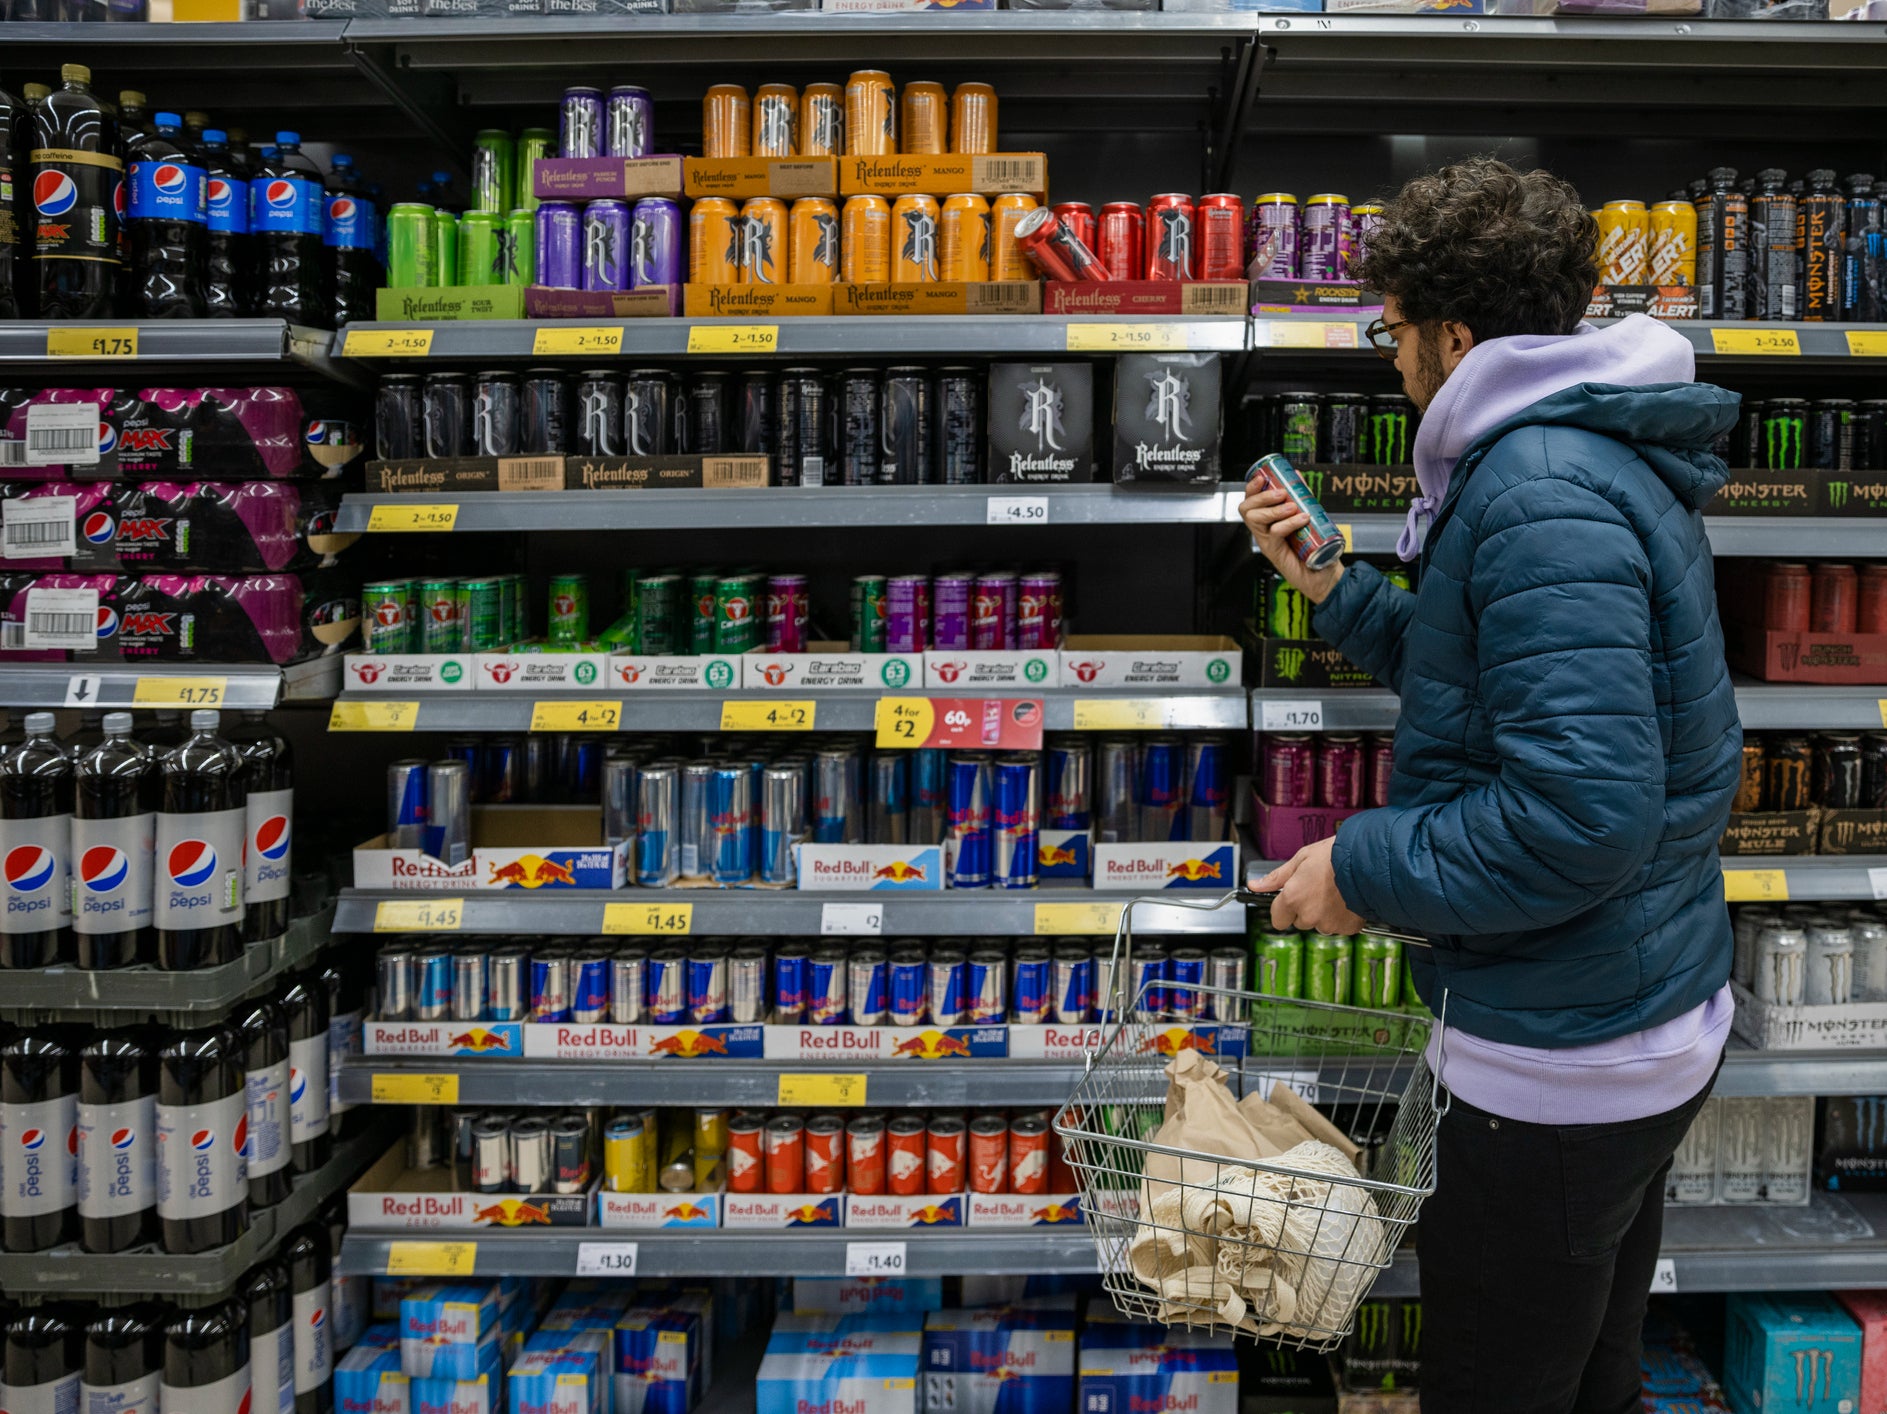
606 1259
874 1259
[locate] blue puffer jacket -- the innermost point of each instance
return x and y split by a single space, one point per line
1568 745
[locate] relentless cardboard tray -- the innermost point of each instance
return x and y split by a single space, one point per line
596 178
1140 298
438 303
717 473
742 177
987 174
649 302
755 301
456 475
941 297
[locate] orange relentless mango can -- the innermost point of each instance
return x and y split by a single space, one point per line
763 246
865 241
963 238
714 242
775 121
822 120
973 118
871 115
724 120
926 119
1006 260
914 223
813 241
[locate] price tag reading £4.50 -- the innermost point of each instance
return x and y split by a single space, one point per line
874 1259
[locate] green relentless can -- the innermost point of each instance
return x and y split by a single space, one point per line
485 615
701 611
412 248
1376 971
441 616
517 248
388 617
656 605
1286 611
569 608
1327 968
1278 964
534 144
868 613
445 241
494 171
479 260
737 613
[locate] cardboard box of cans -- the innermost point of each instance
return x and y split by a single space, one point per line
464 475
740 177
1770 832
1276 296
605 178
1143 298
944 174
860 1364
644 302
512 847
1282 830
440 303
390 1195
938 297
1841 659
702 301
1305 663
1361 490
1845 1026
1659 301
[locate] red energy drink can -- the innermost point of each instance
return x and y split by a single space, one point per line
1317 544
1870 615
1786 592
989 1154
1382 765
1028 1155
906 1162
865 1154
1221 236
944 1154
1079 218
1340 772
1121 240
786 1154
1831 605
825 1154
1171 247
1290 770
746 1154
1052 245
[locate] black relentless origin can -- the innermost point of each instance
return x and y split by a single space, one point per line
1345 432
709 425
543 412
448 415
645 413
399 418
1831 435
859 443
800 430
495 414
906 431
959 427
599 415
755 419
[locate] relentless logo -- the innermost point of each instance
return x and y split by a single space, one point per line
920 243
504 260
642 253
825 250
773 127
1042 414
1170 405
594 411
642 417
580 127
628 128
1175 242
825 118
599 250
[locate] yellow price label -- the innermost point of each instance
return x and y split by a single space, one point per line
180 692
431 1259
1882 704
1343 529
1867 343
1119 714
1077 917
416 1089
820 1091
733 338
373 717
904 721
794 716
589 339
643 919
575 716
419 915
441 517
92 343
387 343
1126 338
1755 886
1755 341
1306 334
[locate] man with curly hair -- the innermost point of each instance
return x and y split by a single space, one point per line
1565 758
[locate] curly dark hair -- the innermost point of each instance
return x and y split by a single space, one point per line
1502 251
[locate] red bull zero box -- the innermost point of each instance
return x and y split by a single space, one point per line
840 1365
1002 1359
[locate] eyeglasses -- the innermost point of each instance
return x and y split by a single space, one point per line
1379 335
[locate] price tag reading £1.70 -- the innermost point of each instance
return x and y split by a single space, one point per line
1306 716
874 1259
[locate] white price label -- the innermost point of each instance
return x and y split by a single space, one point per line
82 691
42 527
862 919
62 618
1290 716
874 1259
606 1259
1877 882
1018 510
1303 1081
62 434
1664 1277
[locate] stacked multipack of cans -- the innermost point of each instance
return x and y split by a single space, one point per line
1336 429
1821 954
490 238
1320 239
1337 770
608 244
956 612
473 614
1786 771
1171 238
1360 969
1802 434
938 1152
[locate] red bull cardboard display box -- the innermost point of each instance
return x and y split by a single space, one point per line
449 1330
646 1210
1177 864
1183 1372
875 867
368 1378
847 1296
563 1372
513 847
782 1210
860 1364
658 1360
1015 1359
391 1196
901 1210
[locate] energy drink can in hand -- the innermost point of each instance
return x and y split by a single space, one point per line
1318 544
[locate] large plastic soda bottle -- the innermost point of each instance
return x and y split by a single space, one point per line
134 116
350 236
16 135
36 849
202 1125
39 1166
201 824
229 264
114 821
117 1125
270 780
169 221
76 172
286 202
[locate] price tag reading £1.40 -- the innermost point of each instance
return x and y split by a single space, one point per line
874 1259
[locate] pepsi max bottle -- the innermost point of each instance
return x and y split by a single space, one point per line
306 1255
168 214
350 236
117 1122
264 1032
206 1360
229 262
124 1352
269 778
134 116
39 1362
77 179
271 1339
114 822
305 1003
38 1143
15 135
35 849
202 1126
201 825
286 207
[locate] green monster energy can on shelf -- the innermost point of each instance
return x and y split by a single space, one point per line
1410 997
1277 964
569 608
445 238
494 171
868 613
485 615
517 248
1286 612
413 248
737 602
656 614
701 611
441 616
1327 968
478 248
533 144
1376 971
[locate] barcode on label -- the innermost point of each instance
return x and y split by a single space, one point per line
33 533
61 618
12 635
13 453
1218 299
812 471
60 439
531 473
60 625
39 525
997 169
62 434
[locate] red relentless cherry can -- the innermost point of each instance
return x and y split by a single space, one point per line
1080 219
1057 252
1122 240
1220 219
1172 252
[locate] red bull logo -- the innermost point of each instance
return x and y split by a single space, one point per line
1052 1214
932 1045
824 1214
1049 855
512 1212
687 1213
1193 870
685 1045
1175 1039
478 1039
901 872
933 1213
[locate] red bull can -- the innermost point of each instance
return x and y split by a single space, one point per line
707 985
782 821
1185 974
658 803
469 975
1161 792
791 983
1146 984
491 1154
888 813
866 988
986 987
1101 992
833 821
1208 790
966 822
908 984
668 987
628 986
393 978
432 980
1013 838
946 986
730 824
570 1153
1071 991
406 804
826 987
550 986
1068 764
927 796
589 986
1031 987
747 985
507 983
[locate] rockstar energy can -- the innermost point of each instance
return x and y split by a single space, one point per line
724 119
914 223
963 238
973 118
926 118
871 115
812 237
1624 242
1673 256
822 120
763 241
775 120
865 240
714 242
1006 260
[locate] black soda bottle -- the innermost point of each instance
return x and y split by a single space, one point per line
35 849
134 116
347 1005
285 214
307 1258
269 778
350 240
168 217
201 824
117 1142
202 1124
76 171
347 1296
39 1094
15 136
40 1361
124 1352
206 1360
305 1003
114 823
265 1063
229 262
271 1339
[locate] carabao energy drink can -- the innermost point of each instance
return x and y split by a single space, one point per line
1327 968
1376 971
1317 544
1278 964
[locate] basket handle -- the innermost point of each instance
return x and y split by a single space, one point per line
1120 964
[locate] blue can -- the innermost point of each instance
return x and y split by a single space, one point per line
406 804
986 987
832 818
1031 986
927 795
782 821
658 806
947 982
826 987
730 824
589 987
583 768
866 987
1073 985
1208 794
1185 974
432 979
1161 792
888 816
471 751
1013 839
1149 971
908 981
791 982
559 245
551 986
1067 806
966 822
606 245
707 986
503 770
668 987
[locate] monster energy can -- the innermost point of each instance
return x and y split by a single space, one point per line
1286 612
1399 576
1388 441
1277 964
1376 969
1298 416
1784 432
1327 968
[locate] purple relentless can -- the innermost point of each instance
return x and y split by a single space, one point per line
790 967
826 982
787 597
1162 789
952 601
1340 772
580 130
707 985
1290 770
993 613
559 246
589 987
947 986
986 987
907 982
1208 789
1274 225
655 242
1014 794
1071 991
865 990
1038 612
606 245
668 987
966 822
630 121
1031 992
1326 238
1067 806
1382 765
907 613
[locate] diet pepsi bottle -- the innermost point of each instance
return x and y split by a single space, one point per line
269 777
347 1296
16 136
124 1351
168 218
350 235
206 1360
202 1125
229 263
271 1339
347 1005
39 1095
35 849
117 1120
114 825
306 1254
286 202
201 825
77 178
39 1362
305 1003
265 1063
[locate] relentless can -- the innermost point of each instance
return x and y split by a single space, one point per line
1006 258
481 259
559 245
1327 962
657 238
925 117
865 240
973 118
580 130
822 120
859 442
599 414
909 444
724 122
629 120
1221 225
871 114
716 239
763 241
606 245
412 253
959 426
1052 246
812 238
963 238
1318 544
543 412
1121 240
1171 249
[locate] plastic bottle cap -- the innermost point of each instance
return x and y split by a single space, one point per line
288 139
215 135
118 724
169 120
200 721
130 97
75 73
39 723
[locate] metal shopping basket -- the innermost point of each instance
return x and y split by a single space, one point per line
1253 1246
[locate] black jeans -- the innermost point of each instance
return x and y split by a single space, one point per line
1537 1252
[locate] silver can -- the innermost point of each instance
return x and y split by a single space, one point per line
530 1155
619 801
1781 952
406 804
782 820
1828 969
1748 923
1870 959
393 978
508 983
1102 1006
696 847
449 812
747 984
1226 971
491 1154
658 807
470 982
628 986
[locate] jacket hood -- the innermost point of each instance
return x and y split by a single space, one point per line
1631 380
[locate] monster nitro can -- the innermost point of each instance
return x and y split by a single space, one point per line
1318 544
1341 772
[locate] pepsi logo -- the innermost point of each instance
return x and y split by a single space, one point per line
221 194
243 1407
103 868
342 208
30 867
317 1318
117 198
122 1139
107 621
280 194
315 434
54 193
272 837
241 1141
107 438
203 1140
169 178
99 528
34 1139
297 1085
192 863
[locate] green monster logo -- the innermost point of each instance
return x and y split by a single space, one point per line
1372 1327
1411 1329
1837 495
1290 663
1314 479
1389 438
1282 1362
1782 442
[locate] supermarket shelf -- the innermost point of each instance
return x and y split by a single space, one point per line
1324 336
1762 706
244 686
1199 709
67 1271
792 508
1729 535
785 913
242 342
